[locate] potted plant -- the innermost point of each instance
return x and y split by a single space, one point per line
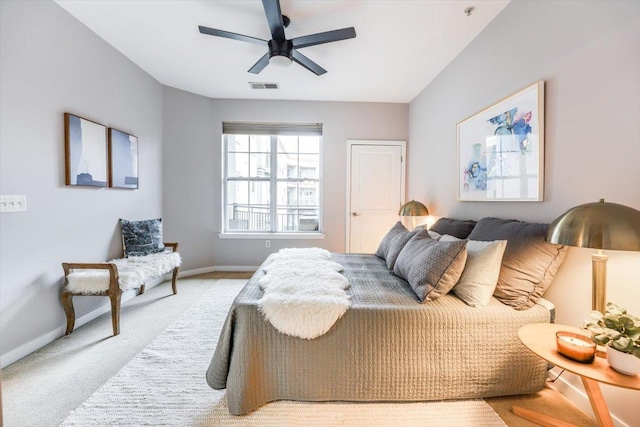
620 332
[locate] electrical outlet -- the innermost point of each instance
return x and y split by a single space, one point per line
267 243
13 204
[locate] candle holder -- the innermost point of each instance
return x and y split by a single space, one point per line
575 346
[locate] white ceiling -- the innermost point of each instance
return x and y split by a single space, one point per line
399 48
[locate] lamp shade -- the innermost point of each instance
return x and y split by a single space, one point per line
600 225
413 208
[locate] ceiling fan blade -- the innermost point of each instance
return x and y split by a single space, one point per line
326 37
274 18
230 35
307 63
259 66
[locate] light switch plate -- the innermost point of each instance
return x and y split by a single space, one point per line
13 203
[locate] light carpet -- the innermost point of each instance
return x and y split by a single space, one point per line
165 385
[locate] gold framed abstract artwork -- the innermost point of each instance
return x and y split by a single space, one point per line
501 150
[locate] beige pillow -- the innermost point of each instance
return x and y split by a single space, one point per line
529 263
431 267
481 271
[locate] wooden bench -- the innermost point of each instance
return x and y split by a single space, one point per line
111 279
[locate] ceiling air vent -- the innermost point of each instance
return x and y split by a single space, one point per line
260 85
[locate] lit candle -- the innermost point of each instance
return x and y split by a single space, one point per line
575 341
575 347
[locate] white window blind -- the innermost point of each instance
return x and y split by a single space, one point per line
246 128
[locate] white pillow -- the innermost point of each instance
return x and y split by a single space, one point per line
434 235
480 274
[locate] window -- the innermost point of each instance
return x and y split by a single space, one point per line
271 180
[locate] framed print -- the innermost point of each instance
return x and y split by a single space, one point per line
123 159
85 152
501 150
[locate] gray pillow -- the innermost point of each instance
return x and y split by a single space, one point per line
529 263
141 238
453 227
432 268
393 243
433 234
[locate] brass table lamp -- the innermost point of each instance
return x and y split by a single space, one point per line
600 225
413 209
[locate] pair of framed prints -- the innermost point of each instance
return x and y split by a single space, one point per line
99 157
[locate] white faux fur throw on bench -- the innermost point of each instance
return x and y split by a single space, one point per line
132 273
304 292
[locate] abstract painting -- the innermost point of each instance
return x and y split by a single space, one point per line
123 160
501 149
85 152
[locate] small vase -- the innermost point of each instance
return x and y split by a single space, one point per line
624 363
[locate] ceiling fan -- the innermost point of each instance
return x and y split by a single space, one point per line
281 50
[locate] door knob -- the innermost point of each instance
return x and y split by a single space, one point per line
355 214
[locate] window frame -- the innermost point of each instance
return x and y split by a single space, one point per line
273 179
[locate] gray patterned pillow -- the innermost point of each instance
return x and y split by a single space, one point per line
393 243
141 238
432 234
432 268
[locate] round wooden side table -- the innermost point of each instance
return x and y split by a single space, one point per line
540 338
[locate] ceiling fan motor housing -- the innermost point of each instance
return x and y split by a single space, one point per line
280 48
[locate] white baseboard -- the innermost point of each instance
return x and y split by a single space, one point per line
205 270
196 271
35 344
236 268
579 397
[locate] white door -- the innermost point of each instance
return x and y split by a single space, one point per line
376 192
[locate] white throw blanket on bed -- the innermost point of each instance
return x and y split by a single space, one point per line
304 292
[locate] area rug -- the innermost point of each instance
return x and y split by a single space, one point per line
164 385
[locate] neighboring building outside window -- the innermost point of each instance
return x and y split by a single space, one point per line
271 182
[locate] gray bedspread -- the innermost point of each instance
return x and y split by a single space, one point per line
386 347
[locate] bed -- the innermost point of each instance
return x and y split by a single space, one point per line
386 347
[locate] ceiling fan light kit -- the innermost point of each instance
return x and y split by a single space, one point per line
280 52
280 61
283 51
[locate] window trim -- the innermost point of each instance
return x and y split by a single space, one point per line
273 180
279 235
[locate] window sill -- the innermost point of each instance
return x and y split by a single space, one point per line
272 236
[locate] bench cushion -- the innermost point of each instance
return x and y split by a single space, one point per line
132 273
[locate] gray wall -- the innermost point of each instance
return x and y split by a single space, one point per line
589 57
588 54
192 168
51 64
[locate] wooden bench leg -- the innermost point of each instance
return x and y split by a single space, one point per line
67 304
115 311
174 278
